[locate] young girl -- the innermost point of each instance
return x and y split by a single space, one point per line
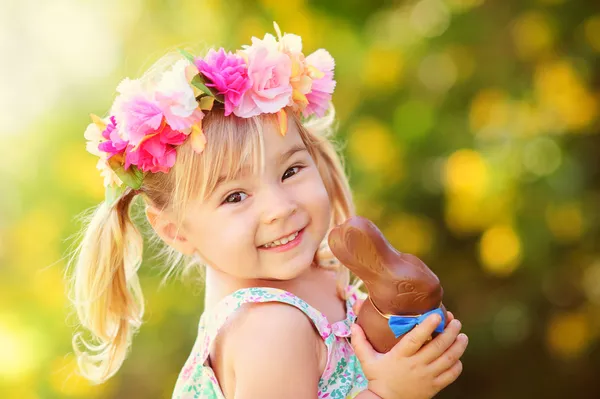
230 153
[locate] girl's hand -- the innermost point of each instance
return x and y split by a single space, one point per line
411 369
359 302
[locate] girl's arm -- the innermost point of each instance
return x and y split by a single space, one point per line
274 352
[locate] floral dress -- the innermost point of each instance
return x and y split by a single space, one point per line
343 377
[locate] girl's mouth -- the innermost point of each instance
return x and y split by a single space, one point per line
284 244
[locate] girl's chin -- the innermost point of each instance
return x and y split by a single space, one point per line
293 268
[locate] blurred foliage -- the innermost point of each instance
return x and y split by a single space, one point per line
471 132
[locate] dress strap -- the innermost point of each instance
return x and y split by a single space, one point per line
212 321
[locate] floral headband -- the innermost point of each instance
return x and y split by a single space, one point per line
148 121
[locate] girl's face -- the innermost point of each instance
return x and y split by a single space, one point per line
241 229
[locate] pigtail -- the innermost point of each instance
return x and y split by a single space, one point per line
106 290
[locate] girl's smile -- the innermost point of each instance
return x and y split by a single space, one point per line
284 243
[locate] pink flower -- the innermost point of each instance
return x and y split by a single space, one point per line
175 97
322 86
269 71
114 144
156 153
140 117
171 107
228 74
95 134
300 80
140 108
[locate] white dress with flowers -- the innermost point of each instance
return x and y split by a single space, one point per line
343 377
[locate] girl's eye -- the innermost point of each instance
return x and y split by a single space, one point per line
291 172
235 197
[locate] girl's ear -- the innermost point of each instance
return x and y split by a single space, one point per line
167 230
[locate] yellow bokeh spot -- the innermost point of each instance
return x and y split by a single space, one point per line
65 379
372 147
383 68
37 237
532 35
76 170
568 334
21 391
465 214
565 221
489 109
462 214
500 250
560 90
526 120
20 350
410 233
592 32
48 286
466 172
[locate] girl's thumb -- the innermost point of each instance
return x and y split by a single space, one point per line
363 349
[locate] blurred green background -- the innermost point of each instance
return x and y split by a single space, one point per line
472 140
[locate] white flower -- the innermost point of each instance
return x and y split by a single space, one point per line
291 44
110 177
94 136
269 41
174 84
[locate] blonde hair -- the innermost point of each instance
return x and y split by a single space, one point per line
106 290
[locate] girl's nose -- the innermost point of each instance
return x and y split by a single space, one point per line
277 204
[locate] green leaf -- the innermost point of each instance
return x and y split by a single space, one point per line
132 177
113 193
187 55
199 82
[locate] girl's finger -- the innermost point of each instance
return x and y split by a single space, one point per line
441 343
414 340
450 316
362 347
451 356
448 376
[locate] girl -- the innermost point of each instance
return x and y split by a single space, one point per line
231 156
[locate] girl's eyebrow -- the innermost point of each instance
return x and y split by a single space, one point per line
287 154
223 178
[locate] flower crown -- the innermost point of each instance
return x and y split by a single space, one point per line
149 120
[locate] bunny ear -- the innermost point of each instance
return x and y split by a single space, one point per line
356 244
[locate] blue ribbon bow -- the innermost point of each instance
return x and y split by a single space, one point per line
402 324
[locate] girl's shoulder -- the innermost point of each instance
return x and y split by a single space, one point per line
268 327
225 308
242 301
262 336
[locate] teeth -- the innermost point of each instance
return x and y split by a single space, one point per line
282 241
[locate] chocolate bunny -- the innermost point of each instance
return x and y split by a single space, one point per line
399 284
